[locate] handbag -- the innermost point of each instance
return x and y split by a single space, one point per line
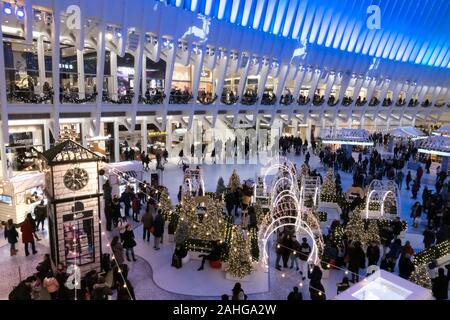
152 230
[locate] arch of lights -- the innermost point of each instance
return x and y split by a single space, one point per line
286 211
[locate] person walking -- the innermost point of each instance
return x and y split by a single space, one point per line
357 260
399 179
28 228
408 179
11 235
40 212
136 207
373 253
304 252
128 242
117 250
429 237
294 254
147 223
158 227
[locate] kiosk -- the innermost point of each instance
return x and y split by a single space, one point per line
20 195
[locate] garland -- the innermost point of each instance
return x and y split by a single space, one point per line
431 254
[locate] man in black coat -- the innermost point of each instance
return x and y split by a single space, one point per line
440 284
373 253
158 225
405 266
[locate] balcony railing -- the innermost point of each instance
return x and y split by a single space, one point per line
249 99
269 99
287 99
206 99
346 101
303 100
180 97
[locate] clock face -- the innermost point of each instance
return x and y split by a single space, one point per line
76 179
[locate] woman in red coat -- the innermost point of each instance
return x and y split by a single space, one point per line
28 228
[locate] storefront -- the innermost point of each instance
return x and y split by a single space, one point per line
116 172
20 195
24 141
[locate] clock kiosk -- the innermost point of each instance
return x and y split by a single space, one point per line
72 189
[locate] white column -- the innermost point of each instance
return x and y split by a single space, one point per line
198 66
80 67
169 136
46 136
5 173
41 62
170 64
220 74
113 67
100 73
144 74
116 142
3 104
56 26
144 135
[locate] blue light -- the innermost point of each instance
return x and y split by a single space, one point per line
20 13
7 9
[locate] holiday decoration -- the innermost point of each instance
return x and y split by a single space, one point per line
355 228
240 259
328 192
165 204
182 233
205 219
433 253
235 182
221 188
372 233
420 277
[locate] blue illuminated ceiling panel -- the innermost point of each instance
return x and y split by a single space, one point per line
413 31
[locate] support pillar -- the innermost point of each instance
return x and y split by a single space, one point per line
46 136
144 75
113 68
80 67
169 136
41 62
4 157
144 135
116 142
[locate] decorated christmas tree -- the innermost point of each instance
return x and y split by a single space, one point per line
420 277
165 204
212 223
235 182
220 189
240 259
182 233
372 233
328 192
205 223
355 228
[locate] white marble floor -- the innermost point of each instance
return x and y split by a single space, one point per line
142 272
